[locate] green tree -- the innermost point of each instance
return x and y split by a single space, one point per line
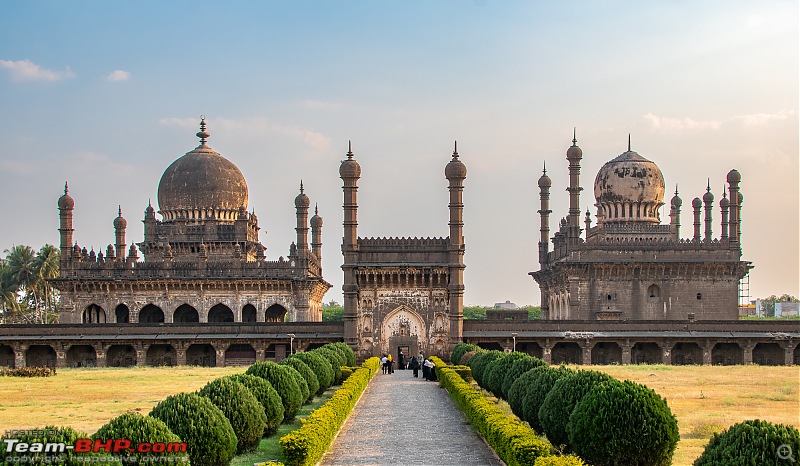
25 291
332 312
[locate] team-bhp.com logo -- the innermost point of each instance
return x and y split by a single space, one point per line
18 451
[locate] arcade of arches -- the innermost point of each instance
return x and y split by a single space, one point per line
184 313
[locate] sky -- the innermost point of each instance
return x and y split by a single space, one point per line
105 95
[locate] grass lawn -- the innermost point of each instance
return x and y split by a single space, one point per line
87 398
708 399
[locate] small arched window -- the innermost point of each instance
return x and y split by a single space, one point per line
653 291
699 296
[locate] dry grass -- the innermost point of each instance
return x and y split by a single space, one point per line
708 399
85 399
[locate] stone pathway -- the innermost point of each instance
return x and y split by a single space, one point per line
401 420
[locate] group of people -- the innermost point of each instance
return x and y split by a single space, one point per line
415 364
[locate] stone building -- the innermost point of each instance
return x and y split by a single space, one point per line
201 263
629 266
403 294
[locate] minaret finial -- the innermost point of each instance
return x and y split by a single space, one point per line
66 187
203 134
120 210
301 186
544 167
708 188
455 149
629 142
724 193
676 189
574 137
349 149
316 209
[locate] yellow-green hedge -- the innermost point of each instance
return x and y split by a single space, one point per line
306 445
514 442
559 461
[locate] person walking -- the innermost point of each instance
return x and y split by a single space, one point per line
414 366
389 364
384 362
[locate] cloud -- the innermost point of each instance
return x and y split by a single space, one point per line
118 75
26 70
319 105
255 127
672 125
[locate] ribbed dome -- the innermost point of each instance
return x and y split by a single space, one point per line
120 223
349 168
202 183
629 188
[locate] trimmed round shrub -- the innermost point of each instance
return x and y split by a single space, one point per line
479 362
321 368
460 350
242 409
623 423
345 350
336 360
495 373
467 356
533 389
308 375
210 439
519 367
752 442
266 394
563 397
284 380
139 429
53 434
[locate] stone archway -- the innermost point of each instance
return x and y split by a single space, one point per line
249 313
161 355
566 352
94 314
120 356
220 313
201 355
122 313
646 353
40 356
727 354
685 353
7 357
768 354
606 352
240 355
275 313
185 314
403 327
151 314
81 356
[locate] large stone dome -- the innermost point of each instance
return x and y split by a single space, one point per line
202 184
629 188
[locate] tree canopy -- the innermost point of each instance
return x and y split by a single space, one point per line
26 296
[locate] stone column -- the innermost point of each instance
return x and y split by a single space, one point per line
61 358
100 353
141 355
547 348
586 347
180 354
220 354
666 352
626 352
707 348
748 352
788 353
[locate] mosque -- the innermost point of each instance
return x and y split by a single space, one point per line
200 290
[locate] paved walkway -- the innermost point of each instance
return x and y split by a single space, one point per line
401 420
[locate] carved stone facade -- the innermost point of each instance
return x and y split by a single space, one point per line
403 294
202 262
630 266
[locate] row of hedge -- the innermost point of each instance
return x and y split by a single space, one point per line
604 421
306 445
229 415
28 372
513 441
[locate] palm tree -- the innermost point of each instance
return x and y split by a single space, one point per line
47 263
8 292
21 263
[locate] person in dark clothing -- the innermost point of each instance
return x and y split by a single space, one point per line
414 366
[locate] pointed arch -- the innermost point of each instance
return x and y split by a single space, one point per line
275 313
122 313
395 321
249 313
220 313
151 314
185 314
94 314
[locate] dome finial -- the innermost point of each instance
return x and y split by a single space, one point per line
676 189
203 134
708 188
724 194
455 149
301 186
316 209
629 142
350 150
544 167
120 210
66 187
574 137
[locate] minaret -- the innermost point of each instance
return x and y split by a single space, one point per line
316 234
119 233
733 197
302 203
588 222
350 172
574 155
708 201
697 204
723 207
544 217
65 206
675 214
455 172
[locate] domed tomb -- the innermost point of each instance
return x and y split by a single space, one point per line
629 188
202 184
